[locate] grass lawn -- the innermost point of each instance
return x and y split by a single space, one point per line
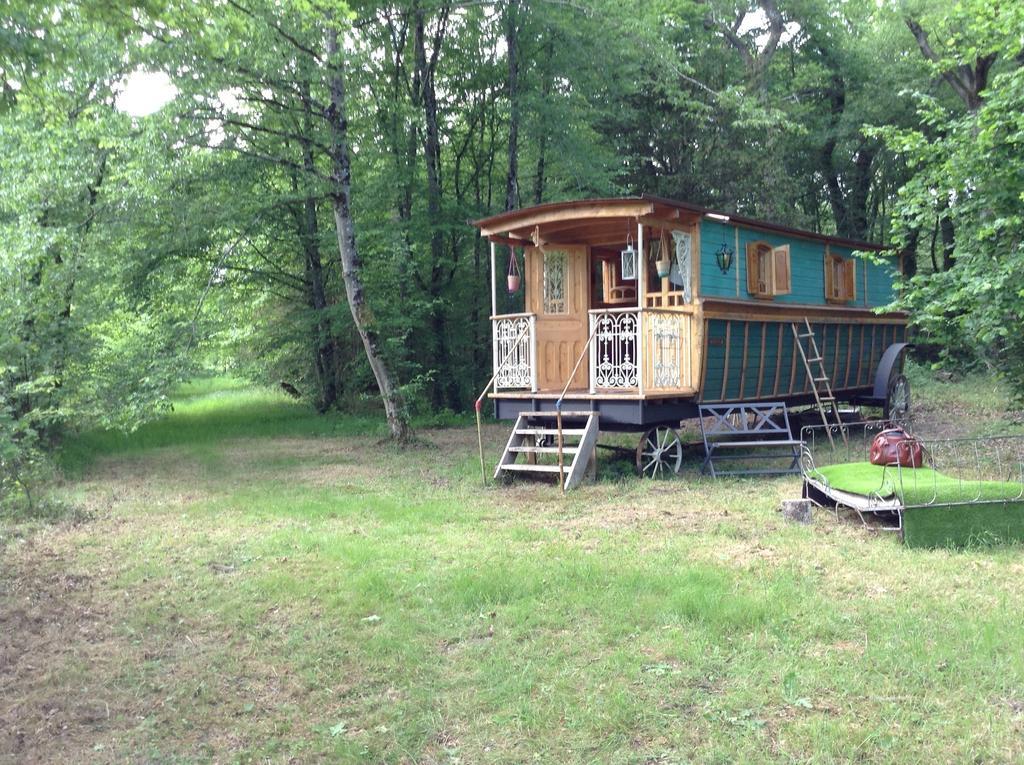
248 582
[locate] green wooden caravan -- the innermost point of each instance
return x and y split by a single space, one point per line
639 310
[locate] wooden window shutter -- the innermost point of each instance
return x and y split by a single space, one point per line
839 277
752 268
783 282
849 279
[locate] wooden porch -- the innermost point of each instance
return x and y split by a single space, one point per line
628 353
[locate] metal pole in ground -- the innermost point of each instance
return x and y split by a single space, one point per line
480 442
561 459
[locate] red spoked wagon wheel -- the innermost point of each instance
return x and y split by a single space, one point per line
659 453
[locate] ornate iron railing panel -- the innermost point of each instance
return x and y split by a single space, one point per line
514 352
668 349
613 357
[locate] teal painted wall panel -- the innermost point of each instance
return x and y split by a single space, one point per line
713 282
845 355
881 278
750 366
735 360
807 264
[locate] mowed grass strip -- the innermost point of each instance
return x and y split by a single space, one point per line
268 596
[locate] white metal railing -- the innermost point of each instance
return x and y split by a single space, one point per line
515 351
616 349
629 350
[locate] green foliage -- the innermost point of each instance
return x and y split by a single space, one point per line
968 168
22 462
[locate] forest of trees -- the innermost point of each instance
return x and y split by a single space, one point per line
298 210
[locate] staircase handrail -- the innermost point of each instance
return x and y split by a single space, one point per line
586 346
561 398
478 404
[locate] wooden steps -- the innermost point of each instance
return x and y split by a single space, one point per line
527 468
543 449
574 459
550 431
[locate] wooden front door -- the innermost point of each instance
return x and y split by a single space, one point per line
559 294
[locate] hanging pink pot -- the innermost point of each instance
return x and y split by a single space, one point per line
514 281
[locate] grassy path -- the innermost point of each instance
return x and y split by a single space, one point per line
255 584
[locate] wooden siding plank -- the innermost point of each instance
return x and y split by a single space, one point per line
743 360
760 369
739 260
860 356
792 370
725 360
778 359
872 359
849 357
835 360
704 364
766 310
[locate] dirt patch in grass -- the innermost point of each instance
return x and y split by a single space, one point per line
55 644
97 666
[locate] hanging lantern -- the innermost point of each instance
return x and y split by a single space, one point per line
515 276
663 256
724 258
627 268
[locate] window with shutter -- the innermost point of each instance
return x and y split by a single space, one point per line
840 279
759 268
768 270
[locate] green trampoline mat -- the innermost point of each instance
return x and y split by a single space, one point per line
959 513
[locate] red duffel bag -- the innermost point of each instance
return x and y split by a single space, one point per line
896 447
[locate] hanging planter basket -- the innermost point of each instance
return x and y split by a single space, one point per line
515 276
664 261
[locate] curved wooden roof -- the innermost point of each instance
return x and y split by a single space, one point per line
608 221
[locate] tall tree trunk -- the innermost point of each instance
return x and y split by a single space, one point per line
351 265
445 390
908 254
512 43
542 140
948 240
848 193
859 195
323 343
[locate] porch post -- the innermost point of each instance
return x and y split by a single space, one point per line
641 299
641 266
593 352
533 352
493 323
494 279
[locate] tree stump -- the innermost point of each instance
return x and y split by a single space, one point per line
797 510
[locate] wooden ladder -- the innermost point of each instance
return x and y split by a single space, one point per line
820 383
534 427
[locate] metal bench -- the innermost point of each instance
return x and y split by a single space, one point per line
747 431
